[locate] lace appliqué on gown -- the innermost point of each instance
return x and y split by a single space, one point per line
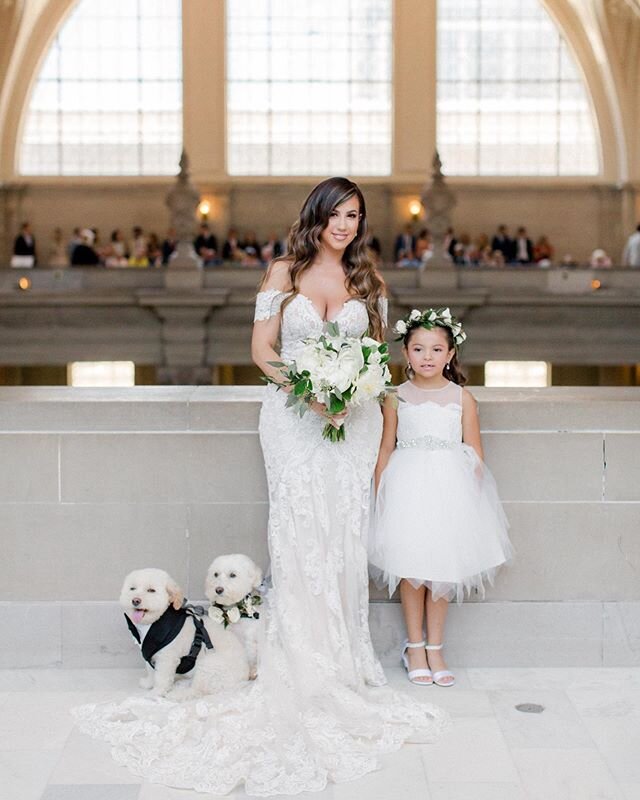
312 715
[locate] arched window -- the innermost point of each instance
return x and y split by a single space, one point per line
510 98
309 87
108 99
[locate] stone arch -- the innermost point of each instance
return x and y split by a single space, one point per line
22 76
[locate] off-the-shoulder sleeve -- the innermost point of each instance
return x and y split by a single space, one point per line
268 304
383 307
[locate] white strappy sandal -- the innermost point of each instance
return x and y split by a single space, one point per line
415 673
442 673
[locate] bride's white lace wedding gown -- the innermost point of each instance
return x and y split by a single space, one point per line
312 715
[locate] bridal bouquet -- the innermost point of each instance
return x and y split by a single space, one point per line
339 371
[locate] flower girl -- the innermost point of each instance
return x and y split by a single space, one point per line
438 528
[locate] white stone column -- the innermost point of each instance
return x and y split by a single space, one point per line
204 94
414 81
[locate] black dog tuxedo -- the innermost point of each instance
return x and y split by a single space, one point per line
164 630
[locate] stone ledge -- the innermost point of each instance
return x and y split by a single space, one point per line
491 634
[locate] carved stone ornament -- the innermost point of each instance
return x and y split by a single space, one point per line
438 201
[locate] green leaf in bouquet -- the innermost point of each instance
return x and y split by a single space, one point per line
366 352
383 348
300 387
278 364
292 400
336 406
332 328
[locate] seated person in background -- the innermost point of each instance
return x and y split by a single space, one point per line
206 245
543 250
503 242
25 243
115 253
523 250
403 249
138 256
600 259
251 249
154 250
460 255
373 243
631 252
74 241
450 242
169 245
421 244
85 254
57 250
497 258
231 246
271 249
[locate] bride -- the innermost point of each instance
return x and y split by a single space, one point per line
313 715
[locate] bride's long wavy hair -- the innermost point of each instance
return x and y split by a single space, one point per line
303 245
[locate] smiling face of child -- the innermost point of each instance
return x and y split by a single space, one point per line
428 352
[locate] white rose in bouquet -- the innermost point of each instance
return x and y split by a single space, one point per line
371 383
348 365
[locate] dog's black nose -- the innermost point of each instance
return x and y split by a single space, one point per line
136 601
219 589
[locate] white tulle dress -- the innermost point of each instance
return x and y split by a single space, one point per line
438 520
313 714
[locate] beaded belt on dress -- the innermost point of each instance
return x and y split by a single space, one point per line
428 443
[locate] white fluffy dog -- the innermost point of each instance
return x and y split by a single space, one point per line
231 586
153 605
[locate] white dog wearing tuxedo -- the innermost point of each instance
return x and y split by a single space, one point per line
231 586
175 641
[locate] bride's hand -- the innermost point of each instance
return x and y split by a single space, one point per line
337 420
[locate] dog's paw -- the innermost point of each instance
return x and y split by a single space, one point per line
146 683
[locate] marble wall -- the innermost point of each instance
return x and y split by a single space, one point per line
94 483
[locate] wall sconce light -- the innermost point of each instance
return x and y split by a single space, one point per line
595 284
24 284
203 209
415 207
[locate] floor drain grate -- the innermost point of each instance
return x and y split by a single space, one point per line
530 708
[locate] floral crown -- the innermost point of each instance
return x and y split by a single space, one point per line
429 319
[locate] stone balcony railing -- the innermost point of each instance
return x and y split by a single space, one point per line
570 316
94 483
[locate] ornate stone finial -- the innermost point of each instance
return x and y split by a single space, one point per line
438 200
183 175
182 201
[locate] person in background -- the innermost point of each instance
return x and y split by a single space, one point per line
252 249
421 245
231 246
523 248
271 249
154 250
25 243
57 256
599 259
543 250
450 242
631 254
206 245
169 245
373 243
403 249
74 241
115 253
503 242
85 254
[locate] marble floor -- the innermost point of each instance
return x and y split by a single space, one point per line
585 745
